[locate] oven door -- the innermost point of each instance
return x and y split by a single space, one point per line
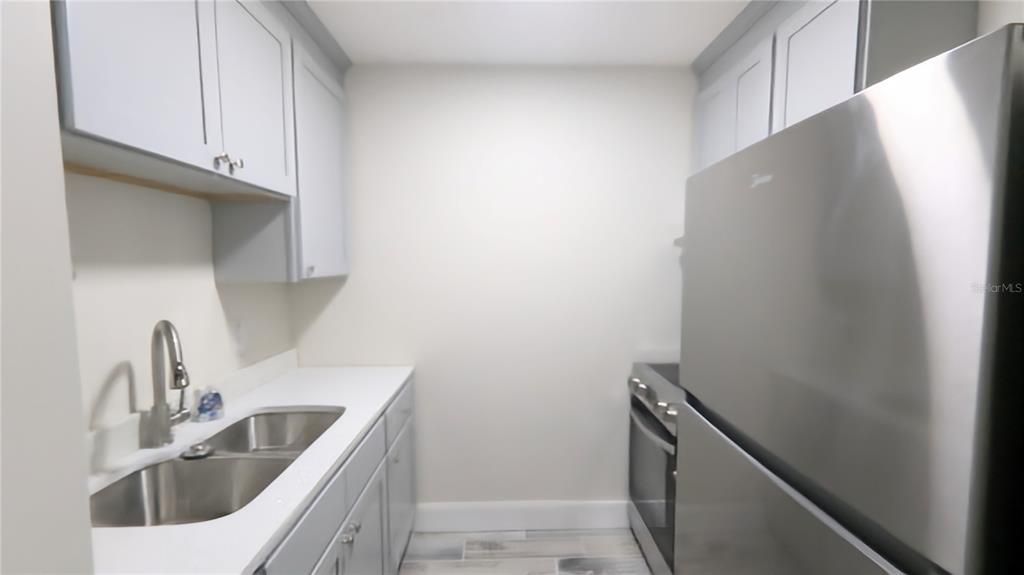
652 484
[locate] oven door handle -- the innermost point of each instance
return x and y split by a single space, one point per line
651 434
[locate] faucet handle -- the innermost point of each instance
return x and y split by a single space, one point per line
181 379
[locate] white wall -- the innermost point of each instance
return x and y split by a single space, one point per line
993 14
44 503
142 255
512 237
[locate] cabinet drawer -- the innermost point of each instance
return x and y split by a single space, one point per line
399 412
363 463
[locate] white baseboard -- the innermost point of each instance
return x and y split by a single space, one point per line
519 515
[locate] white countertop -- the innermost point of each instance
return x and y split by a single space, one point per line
241 541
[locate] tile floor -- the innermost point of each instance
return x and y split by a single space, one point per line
590 552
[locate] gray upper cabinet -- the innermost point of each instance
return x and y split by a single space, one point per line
134 74
254 62
816 59
320 145
753 96
716 123
304 239
192 95
735 111
781 62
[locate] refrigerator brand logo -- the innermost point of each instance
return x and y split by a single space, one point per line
759 180
999 288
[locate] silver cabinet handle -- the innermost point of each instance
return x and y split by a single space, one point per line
222 158
236 165
348 534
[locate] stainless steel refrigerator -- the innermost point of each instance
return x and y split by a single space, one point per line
853 330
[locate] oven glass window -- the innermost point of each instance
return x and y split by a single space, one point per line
652 486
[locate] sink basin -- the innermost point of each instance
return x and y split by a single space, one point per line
278 430
182 491
247 456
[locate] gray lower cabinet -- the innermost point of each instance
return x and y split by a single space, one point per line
360 522
358 547
401 486
361 544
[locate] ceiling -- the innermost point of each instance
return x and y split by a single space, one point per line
566 32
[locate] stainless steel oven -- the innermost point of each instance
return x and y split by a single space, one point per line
654 403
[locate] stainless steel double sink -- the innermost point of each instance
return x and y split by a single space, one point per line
247 456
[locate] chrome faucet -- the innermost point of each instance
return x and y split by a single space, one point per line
155 425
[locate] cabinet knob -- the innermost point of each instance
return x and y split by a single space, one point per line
348 535
222 158
310 270
236 165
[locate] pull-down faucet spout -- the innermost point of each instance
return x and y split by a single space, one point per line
155 426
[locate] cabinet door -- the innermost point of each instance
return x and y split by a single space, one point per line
254 62
362 540
329 563
754 96
716 123
816 60
401 480
133 73
320 161
735 111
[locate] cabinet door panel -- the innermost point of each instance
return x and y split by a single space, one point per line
816 60
133 73
320 162
735 111
329 564
401 480
254 62
754 96
716 123
364 554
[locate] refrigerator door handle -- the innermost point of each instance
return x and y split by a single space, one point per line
651 434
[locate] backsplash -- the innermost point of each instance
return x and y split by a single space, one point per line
139 256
